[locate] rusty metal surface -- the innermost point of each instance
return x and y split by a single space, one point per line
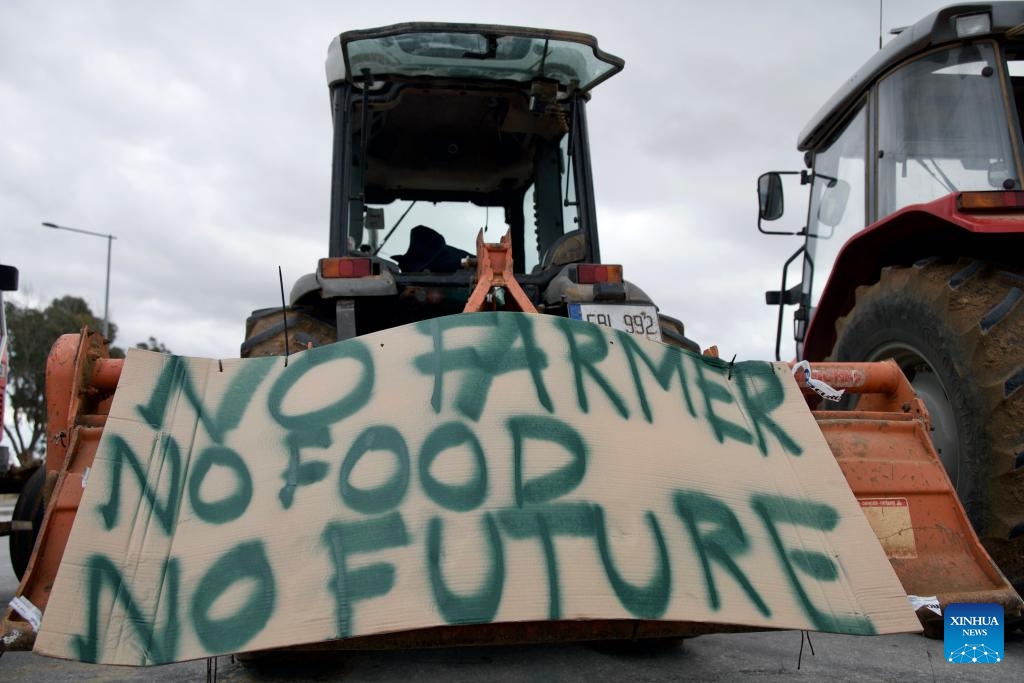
79 385
889 460
865 378
493 274
53 536
884 450
881 385
60 383
105 373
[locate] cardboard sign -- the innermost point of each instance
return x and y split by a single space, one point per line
465 470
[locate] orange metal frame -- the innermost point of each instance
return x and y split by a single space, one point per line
80 384
885 452
494 271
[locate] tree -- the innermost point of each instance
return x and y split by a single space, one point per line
31 334
153 344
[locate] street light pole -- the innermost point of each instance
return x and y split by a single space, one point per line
106 295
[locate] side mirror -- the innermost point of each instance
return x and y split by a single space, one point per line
770 201
769 196
8 278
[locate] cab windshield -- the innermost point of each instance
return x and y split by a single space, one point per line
497 54
442 130
547 215
942 128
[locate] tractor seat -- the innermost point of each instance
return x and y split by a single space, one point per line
428 252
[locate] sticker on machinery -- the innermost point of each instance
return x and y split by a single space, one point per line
473 469
890 519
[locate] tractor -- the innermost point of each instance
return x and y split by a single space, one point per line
455 131
913 247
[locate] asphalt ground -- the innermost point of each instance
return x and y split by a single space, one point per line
726 657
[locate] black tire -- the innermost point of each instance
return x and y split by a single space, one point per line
265 332
29 508
957 332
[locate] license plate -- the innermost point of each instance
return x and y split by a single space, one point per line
636 319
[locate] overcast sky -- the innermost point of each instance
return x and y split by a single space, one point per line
199 134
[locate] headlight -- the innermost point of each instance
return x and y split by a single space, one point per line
973 25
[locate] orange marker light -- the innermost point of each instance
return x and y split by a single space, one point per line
592 273
345 267
990 201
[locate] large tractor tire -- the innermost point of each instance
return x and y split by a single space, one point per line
30 508
265 333
957 332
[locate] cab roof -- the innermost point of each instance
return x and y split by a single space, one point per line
476 52
938 28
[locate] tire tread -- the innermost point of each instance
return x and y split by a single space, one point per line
976 308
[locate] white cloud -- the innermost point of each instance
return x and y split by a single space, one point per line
199 134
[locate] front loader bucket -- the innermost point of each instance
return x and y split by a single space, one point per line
80 382
885 452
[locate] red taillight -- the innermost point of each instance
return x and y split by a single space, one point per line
345 266
990 201
592 273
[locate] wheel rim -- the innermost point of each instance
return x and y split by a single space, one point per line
926 382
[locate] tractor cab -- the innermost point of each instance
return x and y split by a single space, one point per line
442 131
913 249
935 114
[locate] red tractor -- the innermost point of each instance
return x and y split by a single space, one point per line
914 244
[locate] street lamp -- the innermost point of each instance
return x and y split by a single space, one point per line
106 296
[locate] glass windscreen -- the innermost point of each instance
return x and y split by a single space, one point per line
457 223
427 236
478 55
837 200
942 128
